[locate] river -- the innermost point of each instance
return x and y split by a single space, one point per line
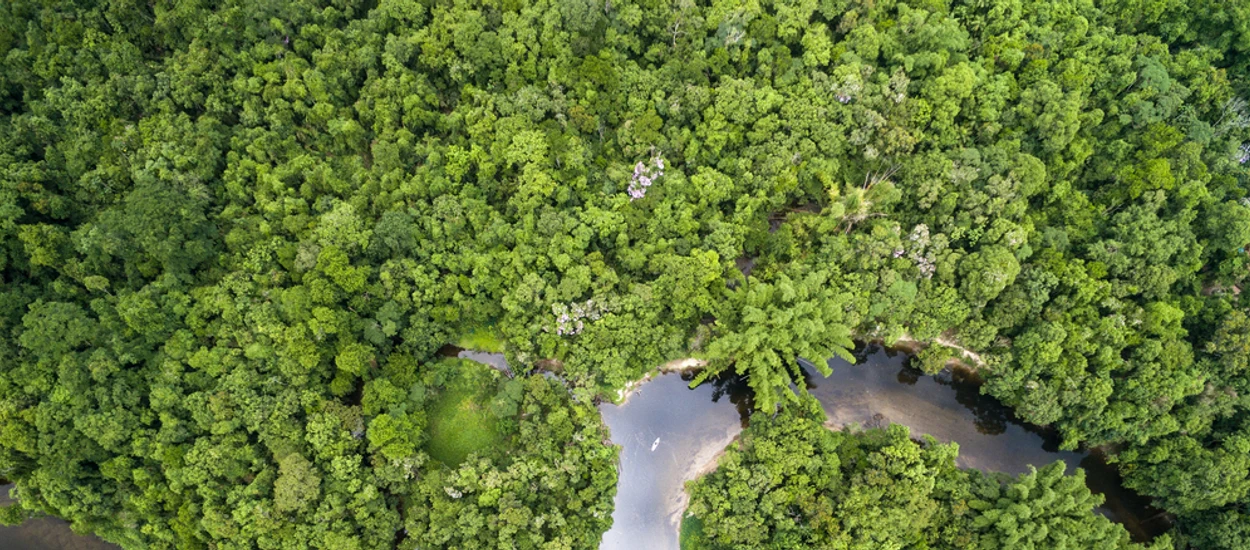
45 533
670 434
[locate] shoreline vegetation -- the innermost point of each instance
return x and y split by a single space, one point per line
702 465
690 526
234 237
967 359
797 459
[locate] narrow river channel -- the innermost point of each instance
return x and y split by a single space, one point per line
670 434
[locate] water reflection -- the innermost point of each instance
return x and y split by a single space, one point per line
949 406
493 360
45 534
670 433
733 387
693 426
667 432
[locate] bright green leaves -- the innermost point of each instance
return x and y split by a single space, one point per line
44 244
1040 510
946 95
550 485
782 466
791 482
1228 233
817 47
985 273
693 283
297 485
527 147
711 186
220 222
1187 477
933 358
342 228
395 437
335 264
355 358
766 328
12 514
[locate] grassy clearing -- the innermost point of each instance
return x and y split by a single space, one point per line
481 339
461 420
692 534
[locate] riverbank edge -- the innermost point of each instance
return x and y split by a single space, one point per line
681 506
968 360
685 364
677 512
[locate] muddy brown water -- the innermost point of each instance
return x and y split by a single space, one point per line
670 434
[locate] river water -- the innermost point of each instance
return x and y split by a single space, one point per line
670 434
667 433
45 534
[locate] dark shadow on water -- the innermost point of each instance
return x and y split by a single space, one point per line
909 376
734 387
668 432
882 387
991 416
1123 505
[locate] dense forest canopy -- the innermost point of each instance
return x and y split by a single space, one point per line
234 234
792 483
